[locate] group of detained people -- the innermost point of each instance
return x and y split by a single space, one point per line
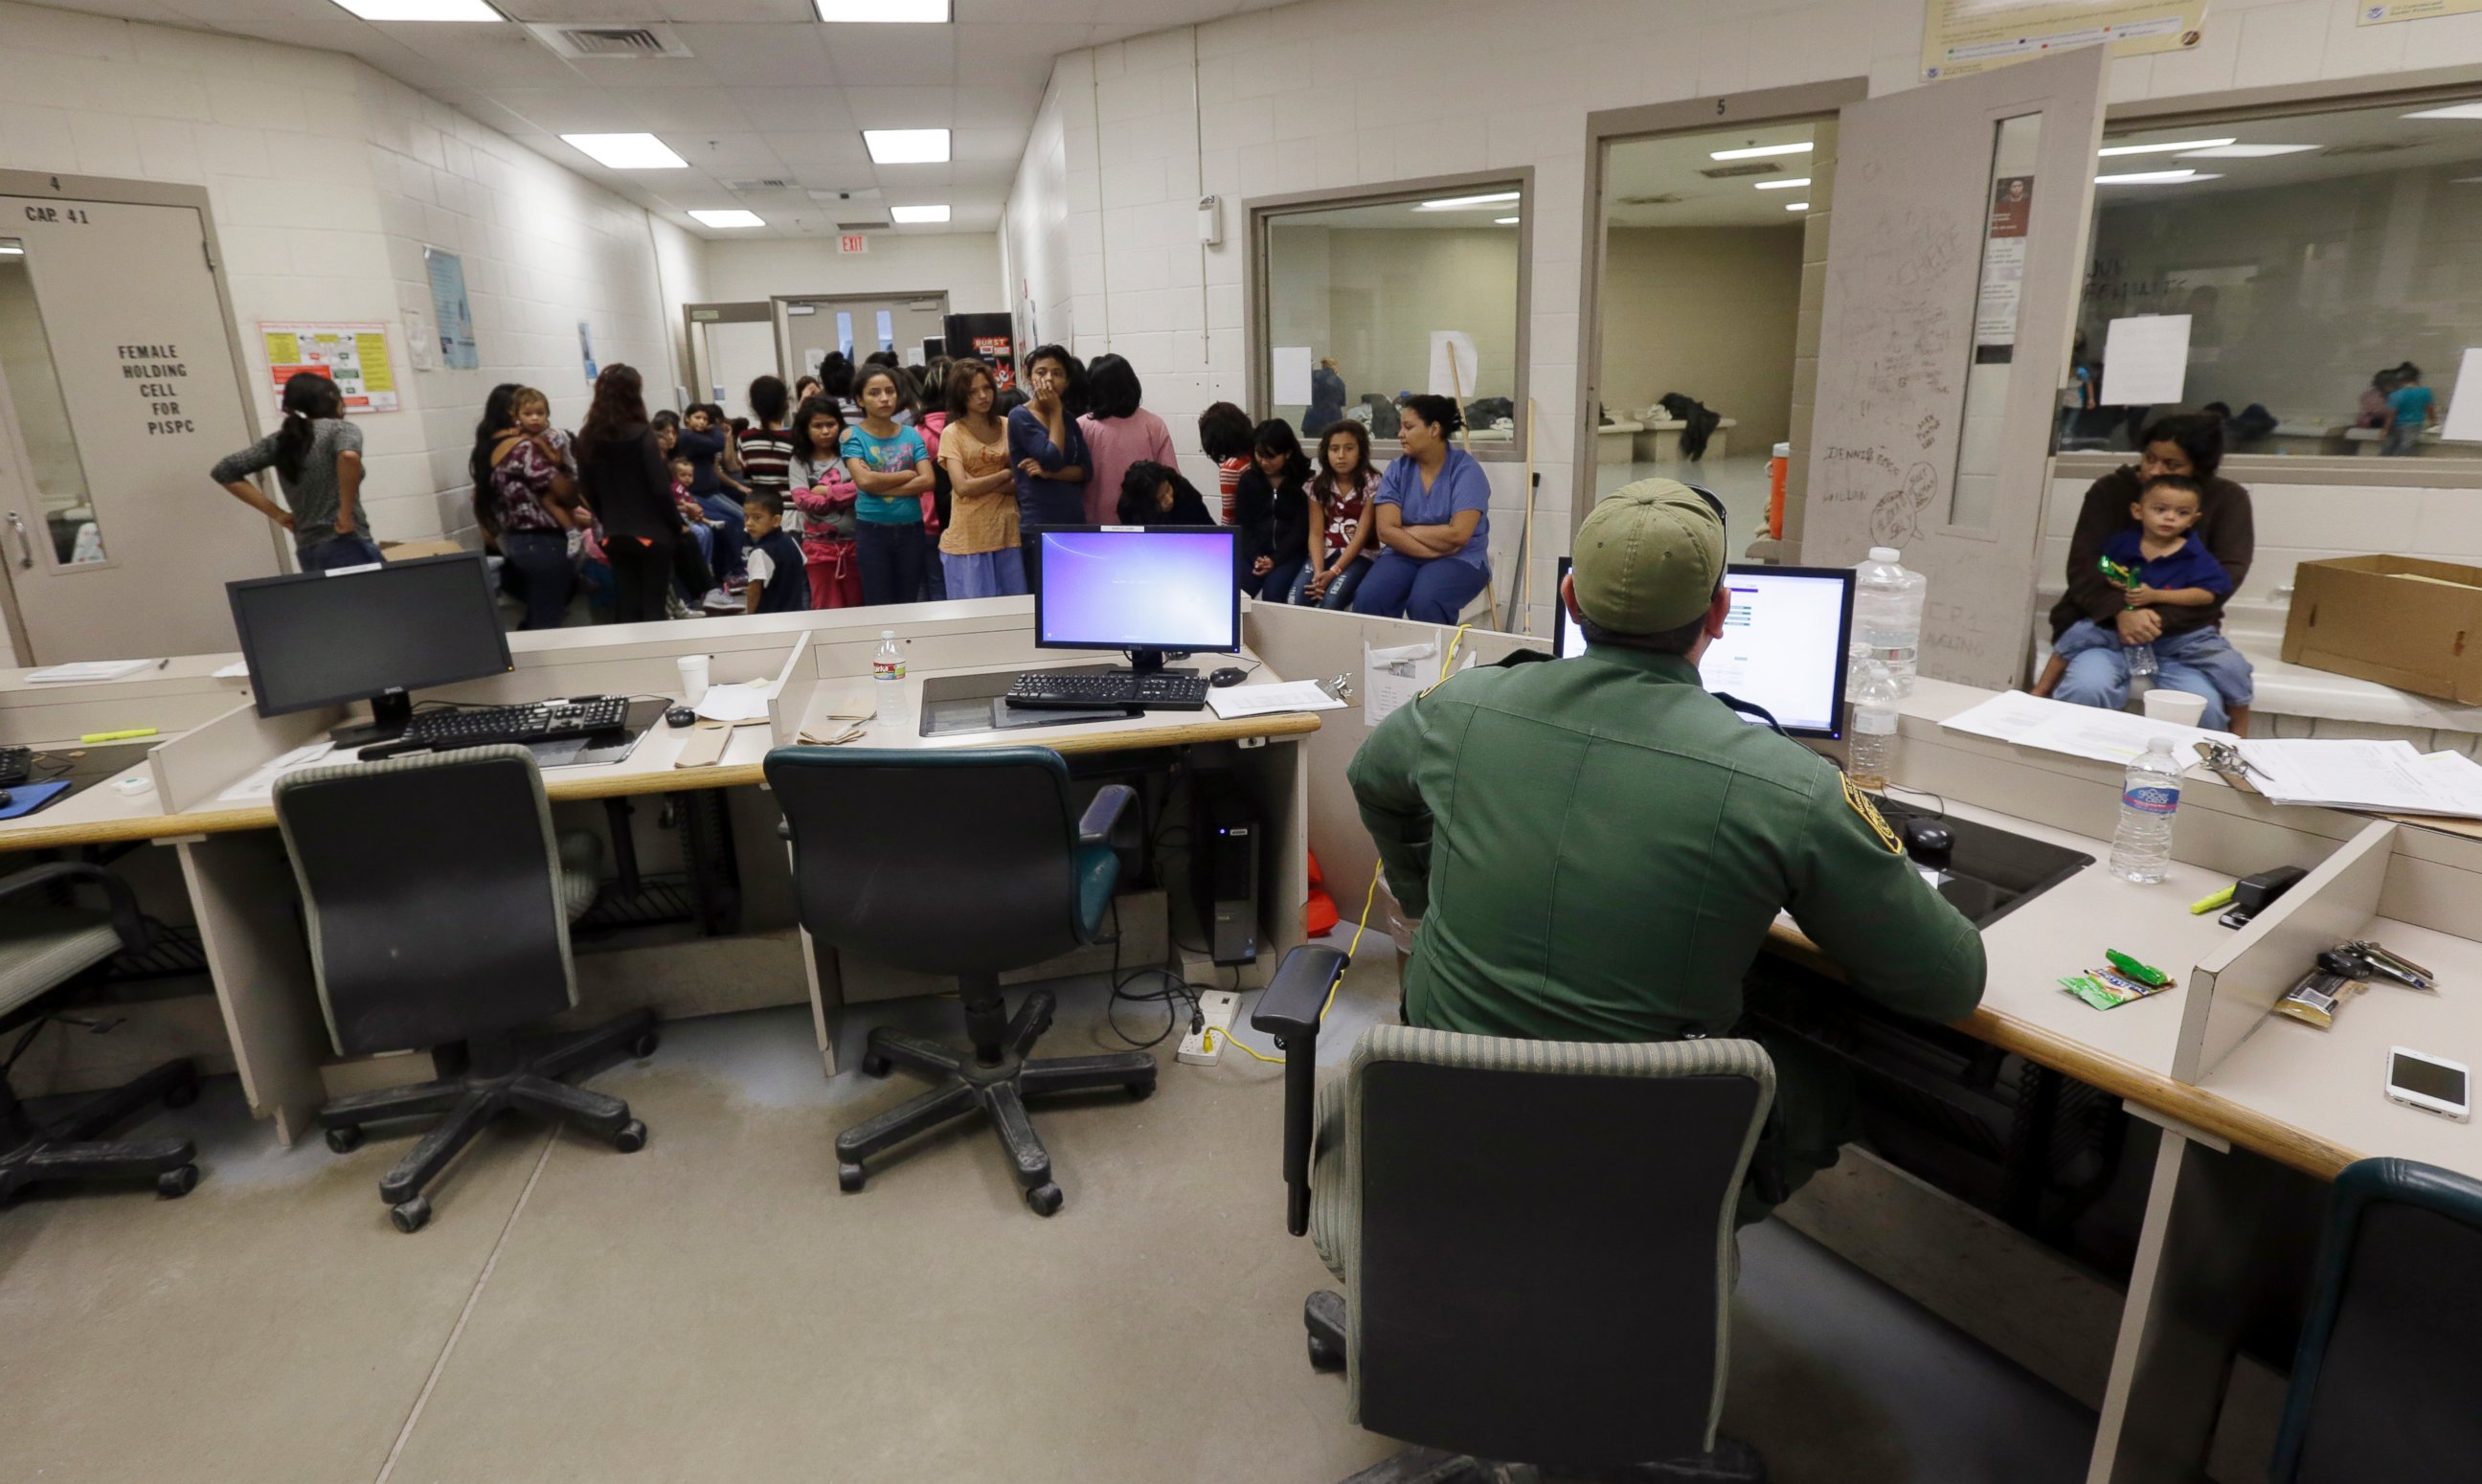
885 484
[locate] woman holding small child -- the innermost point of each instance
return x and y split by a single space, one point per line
2186 539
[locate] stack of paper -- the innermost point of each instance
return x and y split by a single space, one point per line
2080 731
261 784
89 670
2383 778
1234 700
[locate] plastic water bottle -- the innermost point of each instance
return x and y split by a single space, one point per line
1887 614
1873 745
889 664
2141 846
2142 663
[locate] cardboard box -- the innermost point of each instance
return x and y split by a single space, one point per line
407 550
2406 621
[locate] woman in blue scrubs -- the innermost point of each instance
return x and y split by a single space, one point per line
1431 517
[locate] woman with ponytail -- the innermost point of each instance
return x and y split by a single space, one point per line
318 461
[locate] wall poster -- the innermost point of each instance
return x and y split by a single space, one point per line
1961 38
353 356
450 310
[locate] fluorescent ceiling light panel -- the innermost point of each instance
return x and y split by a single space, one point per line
920 13
2174 147
2245 151
1781 185
1469 202
1505 220
907 146
627 151
2153 178
916 216
421 10
1757 151
1796 205
2451 111
733 217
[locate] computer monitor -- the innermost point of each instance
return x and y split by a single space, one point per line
1783 648
371 633
1142 589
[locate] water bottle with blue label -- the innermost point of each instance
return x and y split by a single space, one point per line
2141 849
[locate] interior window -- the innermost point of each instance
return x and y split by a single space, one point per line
1371 300
2320 259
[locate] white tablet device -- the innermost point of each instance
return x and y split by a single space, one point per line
2433 1084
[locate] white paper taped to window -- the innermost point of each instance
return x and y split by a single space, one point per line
1290 367
2144 360
2464 402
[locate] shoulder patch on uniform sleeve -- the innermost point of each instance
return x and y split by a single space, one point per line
1870 815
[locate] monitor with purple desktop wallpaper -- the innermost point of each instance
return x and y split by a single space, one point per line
1137 588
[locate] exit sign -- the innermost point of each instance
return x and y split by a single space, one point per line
852 242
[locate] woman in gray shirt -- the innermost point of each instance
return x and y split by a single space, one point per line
318 458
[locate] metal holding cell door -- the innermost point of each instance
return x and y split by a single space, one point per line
1956 249
731 346
118 389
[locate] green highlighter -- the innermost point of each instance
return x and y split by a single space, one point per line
2143 974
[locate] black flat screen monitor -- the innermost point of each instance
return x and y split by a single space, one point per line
1784 647
368 633
1142 589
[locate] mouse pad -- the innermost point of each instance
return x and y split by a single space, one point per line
26 798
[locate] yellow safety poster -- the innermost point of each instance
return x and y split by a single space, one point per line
2414 10
354 355
1964 37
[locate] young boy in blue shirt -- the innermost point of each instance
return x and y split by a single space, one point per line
779 583
2090 665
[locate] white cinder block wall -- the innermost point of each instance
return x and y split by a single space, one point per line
1102 227
326 179
965 264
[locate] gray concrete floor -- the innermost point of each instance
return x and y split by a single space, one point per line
713 1309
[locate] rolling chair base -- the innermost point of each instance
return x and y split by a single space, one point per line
1730 1462
66 1149
998 1089
498 1079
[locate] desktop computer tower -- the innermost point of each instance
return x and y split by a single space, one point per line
1223 868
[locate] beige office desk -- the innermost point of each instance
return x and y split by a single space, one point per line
240 886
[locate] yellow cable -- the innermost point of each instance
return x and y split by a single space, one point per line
1206 1041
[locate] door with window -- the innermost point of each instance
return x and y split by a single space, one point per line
118 390
857 327
1957 232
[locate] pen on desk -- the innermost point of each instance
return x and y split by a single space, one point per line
118 736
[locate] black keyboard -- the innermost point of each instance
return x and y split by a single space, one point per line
1050 690
17 765
544 721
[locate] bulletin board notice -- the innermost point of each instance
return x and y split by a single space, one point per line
1961 38
2414 10
354 355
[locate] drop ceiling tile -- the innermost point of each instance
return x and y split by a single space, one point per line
971 12
827 149
582 12
484 56
724 156
628 72
998 105
901 107
690 110
802 110
741 12
1015 52
576 109
982 144
893 55
762 56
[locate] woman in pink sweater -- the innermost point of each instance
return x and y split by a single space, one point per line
1118 432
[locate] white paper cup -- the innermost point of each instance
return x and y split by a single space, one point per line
2185 707
693 679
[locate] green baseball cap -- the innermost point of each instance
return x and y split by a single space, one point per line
1648 557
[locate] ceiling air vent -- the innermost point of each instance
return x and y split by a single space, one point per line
1750 168
861 227
2375 147
760 183
612 42
1666 199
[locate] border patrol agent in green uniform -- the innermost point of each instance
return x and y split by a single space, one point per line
1595 847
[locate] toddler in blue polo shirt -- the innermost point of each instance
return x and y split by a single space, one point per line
2089 662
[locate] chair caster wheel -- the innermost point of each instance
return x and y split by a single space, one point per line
1325 1357
410 1216
344 1141
1044 1200
1140 1091
181 1094
630 1137
874 1065
849 1177
174 1183
643 1046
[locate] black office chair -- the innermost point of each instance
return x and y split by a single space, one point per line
46 948
1535 1238
2387 1382
967 862
438 905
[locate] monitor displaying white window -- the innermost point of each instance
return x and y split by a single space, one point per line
1783 645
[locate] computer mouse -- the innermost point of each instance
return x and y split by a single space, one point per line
679 716
1229 675
5 797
